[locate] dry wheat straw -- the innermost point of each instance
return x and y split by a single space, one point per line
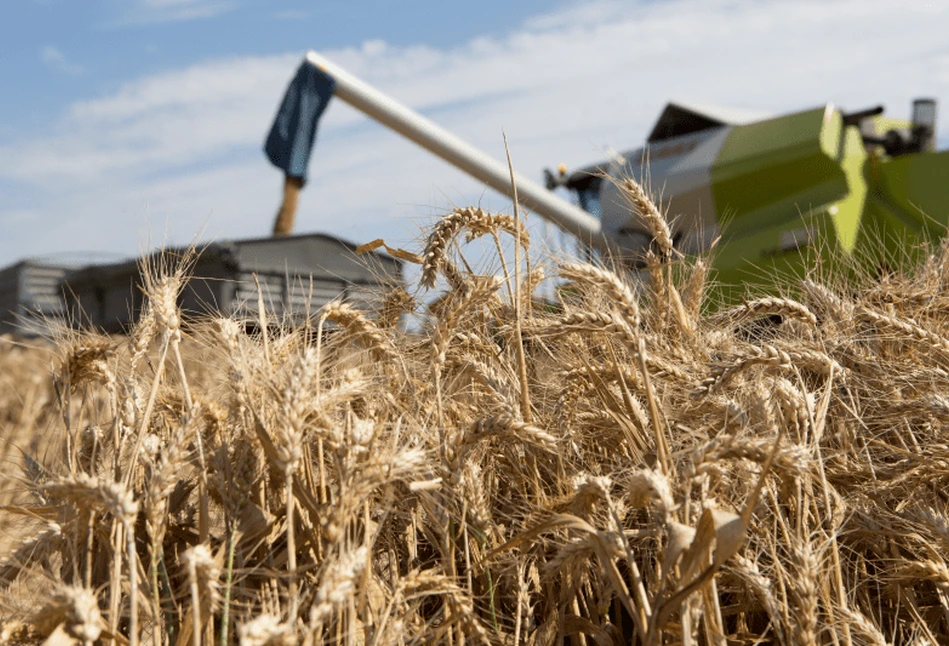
76 610
763 355
652 218
859 621
909 328
335 499
503 424
619 292
396 302
265 630
803 584
694 289
478 222
768 306
359 328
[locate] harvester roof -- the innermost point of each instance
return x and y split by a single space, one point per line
679 119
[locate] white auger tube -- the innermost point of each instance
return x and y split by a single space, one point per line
469 159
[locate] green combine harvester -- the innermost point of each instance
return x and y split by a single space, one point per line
779 194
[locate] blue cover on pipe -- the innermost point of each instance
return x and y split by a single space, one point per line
293 132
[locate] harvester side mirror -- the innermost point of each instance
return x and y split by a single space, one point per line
854 118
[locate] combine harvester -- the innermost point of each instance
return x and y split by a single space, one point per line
778 192
854 183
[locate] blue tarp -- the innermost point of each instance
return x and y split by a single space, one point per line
293 132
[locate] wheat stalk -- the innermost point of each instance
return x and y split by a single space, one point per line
650 214
76 610
359 328
478 222
297 472
767 306
619 292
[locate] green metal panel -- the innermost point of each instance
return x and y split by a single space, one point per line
789 160
907 205
848 212
782 185
913 187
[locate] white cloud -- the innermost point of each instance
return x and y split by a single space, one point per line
183 147
170 4
58 61
291 14
148 11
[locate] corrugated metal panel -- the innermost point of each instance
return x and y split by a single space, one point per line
246 297
9 296
312 254
367 298
316 292
296 274
30 297
294 296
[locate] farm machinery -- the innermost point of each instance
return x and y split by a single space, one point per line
781 192
776 194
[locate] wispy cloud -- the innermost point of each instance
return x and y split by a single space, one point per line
183 147
291 14
151 11
58 61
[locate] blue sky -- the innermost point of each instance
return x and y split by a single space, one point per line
57 51
124 121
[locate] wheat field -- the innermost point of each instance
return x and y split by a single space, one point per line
628 466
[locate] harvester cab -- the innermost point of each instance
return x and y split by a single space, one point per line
770 188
